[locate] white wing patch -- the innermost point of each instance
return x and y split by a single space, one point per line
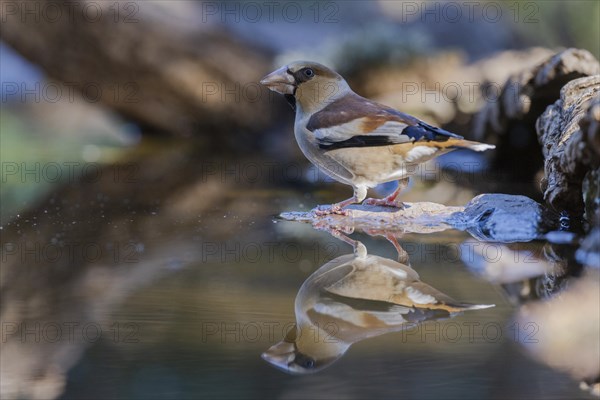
480 147
420 153
339 133
357 317
419 297
398 272
340 311
393 129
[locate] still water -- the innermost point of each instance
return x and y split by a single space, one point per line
133 299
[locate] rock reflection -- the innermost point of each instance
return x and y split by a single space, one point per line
525 272
558 303
569 328
487 217
352 298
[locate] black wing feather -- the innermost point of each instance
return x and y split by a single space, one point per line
423 131
357 141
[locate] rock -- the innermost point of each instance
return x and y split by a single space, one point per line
416 218
591 196
504 218
588 253
444 87
590 131
563 331
531 90
503 265
510 120
164 70
488 217
569 150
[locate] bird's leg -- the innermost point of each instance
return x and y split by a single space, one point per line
339 232
338 208
402 254
391 200
360 250
393 239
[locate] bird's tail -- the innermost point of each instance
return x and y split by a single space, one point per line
469 306
475 146
455 307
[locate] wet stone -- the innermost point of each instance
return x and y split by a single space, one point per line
504 218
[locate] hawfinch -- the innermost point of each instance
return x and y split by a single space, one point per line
354 140
352 298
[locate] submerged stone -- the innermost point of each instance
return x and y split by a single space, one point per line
488 217
504 218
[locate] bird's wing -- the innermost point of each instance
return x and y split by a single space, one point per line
353 121
352 320
377 279
387 281
359 314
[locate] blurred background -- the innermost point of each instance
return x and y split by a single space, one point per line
142 165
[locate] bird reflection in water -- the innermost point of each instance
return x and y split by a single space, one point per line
354 297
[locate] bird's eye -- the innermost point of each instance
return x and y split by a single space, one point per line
307 363
304 361
309 72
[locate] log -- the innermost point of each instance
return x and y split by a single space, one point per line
422 217
487 217
569 149
526 95
511 120
145 63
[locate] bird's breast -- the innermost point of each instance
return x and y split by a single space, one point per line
319 157
372 165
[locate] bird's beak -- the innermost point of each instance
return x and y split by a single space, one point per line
280 81
280 355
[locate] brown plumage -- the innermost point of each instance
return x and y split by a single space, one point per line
352 298
355 140
351 107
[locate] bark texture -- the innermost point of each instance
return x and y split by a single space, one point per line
511 120
141 60
569 132
487 217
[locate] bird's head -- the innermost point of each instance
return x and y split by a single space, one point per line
306 84
305 352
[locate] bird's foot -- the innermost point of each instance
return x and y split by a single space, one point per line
336 230
332 209
385 202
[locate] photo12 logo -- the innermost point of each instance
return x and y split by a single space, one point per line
58 251
69 332
465 11
53 12
71 92
327 332
253 12
470 331
65 172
